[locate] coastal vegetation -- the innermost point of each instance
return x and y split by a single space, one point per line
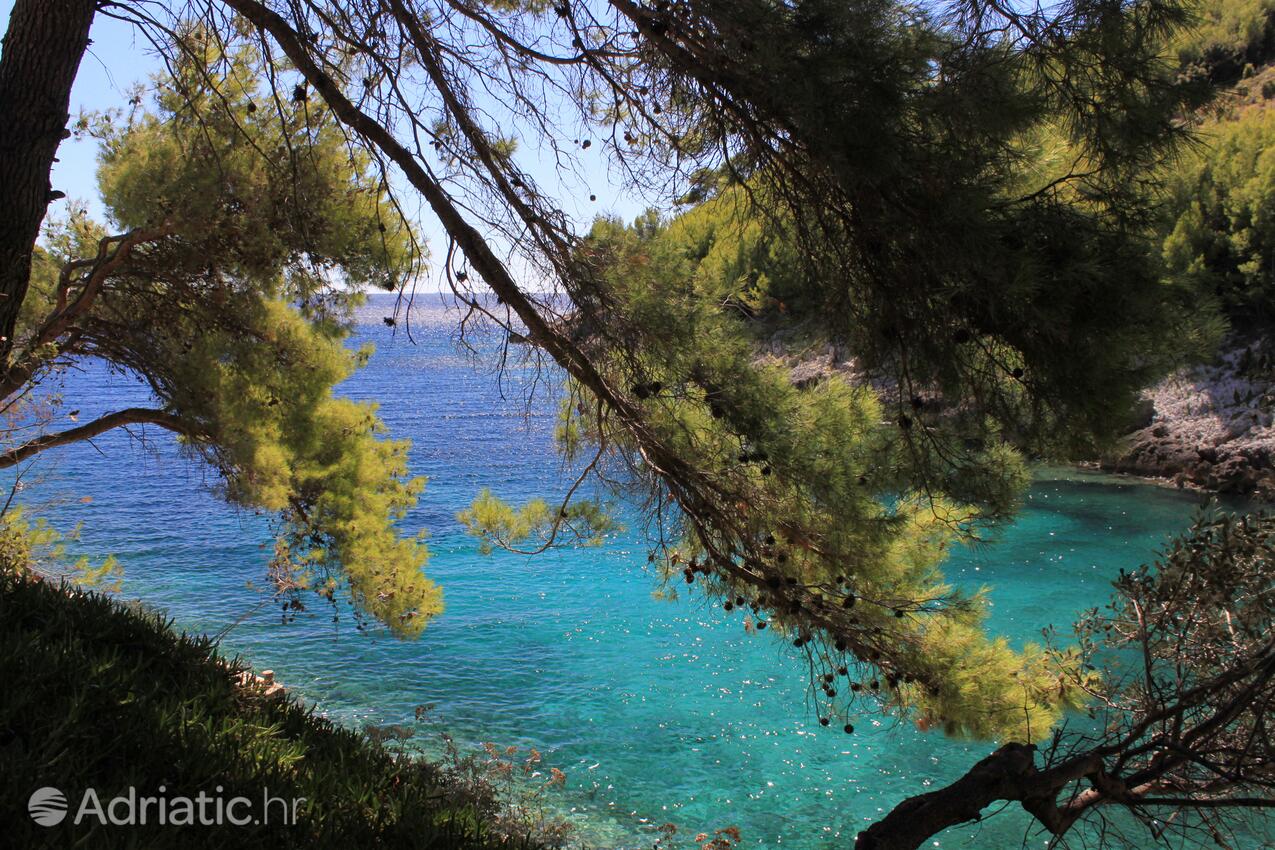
1208 425
106 695
904 252
217 288
1219 210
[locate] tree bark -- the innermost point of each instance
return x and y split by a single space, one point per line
909 824
1009 774
43 46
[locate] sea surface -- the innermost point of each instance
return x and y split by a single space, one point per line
657 711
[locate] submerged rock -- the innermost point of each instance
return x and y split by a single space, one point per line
263 684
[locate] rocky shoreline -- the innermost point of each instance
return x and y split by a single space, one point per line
1208 427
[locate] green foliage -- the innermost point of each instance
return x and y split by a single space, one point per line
922 258
535 524
949 201
819 478
840 487
27 547
847 489
891 105
230 314
1225 36
265 401
106 696
266 192
1221 218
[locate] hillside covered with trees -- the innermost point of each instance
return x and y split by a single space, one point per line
1209 425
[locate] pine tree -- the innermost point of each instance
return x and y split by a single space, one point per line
233 217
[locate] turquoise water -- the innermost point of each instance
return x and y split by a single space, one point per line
657 711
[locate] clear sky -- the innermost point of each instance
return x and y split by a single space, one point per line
119 58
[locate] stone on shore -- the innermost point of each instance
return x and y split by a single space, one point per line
1209 427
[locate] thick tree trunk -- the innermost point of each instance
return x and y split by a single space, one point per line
41 55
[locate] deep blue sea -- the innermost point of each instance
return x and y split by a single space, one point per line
657 711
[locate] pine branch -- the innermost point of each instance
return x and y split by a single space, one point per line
119 419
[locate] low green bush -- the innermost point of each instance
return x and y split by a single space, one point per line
100 694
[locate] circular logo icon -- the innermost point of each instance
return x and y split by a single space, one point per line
47 806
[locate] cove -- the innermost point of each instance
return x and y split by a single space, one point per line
657 711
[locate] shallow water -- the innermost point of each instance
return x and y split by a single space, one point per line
657 711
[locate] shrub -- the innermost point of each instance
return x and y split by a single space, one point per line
104 695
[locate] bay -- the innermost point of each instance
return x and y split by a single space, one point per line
657 711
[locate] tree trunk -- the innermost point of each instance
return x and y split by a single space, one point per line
42 50
912 822
1009 774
